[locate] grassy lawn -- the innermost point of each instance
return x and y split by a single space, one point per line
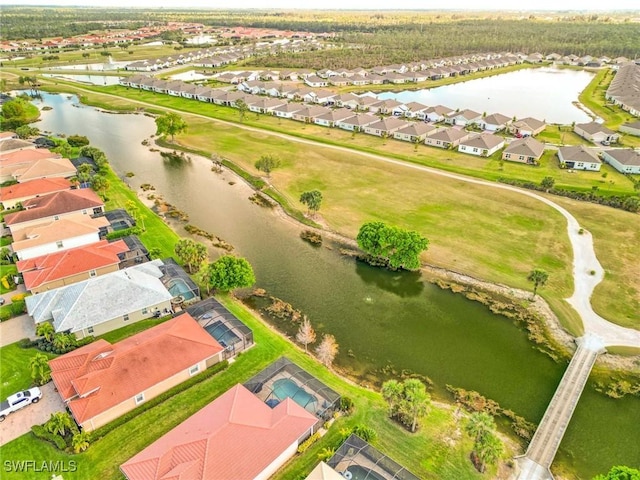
7 270
125 332
14 369
617 298
426 453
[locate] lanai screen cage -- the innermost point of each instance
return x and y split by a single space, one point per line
222 325
283 379
178 282
357 460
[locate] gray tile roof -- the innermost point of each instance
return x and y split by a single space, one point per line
624 156
529 147
578 153
97 300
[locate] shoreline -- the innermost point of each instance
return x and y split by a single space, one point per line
534 315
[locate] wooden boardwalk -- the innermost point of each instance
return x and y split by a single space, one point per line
536 463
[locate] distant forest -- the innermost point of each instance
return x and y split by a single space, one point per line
370 38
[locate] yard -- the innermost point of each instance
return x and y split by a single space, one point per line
14 368
435 459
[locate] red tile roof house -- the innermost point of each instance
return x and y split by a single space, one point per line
237 436
100 381
12 195
70 266
76 205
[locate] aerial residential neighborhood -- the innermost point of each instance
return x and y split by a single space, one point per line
354 242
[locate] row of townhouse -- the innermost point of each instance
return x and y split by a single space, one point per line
624 89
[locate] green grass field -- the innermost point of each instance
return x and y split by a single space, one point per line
14 369
427 452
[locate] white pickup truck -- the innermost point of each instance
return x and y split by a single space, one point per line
19 400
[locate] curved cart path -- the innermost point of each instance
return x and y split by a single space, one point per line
584 257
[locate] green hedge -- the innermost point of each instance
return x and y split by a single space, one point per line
308 442
42 433
123 233
210 372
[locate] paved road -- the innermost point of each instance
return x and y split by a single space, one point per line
584 260
20 422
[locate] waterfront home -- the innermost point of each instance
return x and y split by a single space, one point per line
71 266
287 110
527 127
357 122
75 204
4 136
235 436
483 145
366 101
494 122
385 127
9 145
385 107
447 138
329 119
463 118
102 304
414 132
100 382
524 150
624 88
579 158
437 113
595 132
56 236
324 97
347 100
623 160
12 195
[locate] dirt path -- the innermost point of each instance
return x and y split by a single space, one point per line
587 271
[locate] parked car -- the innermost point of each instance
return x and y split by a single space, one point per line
606 143
1 301
19 400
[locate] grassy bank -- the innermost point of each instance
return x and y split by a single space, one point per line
427 453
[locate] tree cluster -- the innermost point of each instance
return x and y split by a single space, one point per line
408 401
16 113
399 247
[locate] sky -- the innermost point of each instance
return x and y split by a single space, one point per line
537 5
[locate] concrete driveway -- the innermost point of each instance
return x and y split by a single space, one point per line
20 422
16 329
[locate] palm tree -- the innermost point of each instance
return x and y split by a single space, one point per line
80 442
488 450
59 423
416 401
45 330
392 391
480 424
40 372
539 278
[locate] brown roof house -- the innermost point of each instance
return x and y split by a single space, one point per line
102 381
596 132
494 122
463 118
70 266
414 132
357 122
579 158
527 127
623 160
104 303
237 436
447 138
56 236
632 128
524 150
385 126
483 145
12 195
76 204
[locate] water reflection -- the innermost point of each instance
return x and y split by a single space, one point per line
401 283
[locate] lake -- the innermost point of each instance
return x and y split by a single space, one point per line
381 320
91 79
542 93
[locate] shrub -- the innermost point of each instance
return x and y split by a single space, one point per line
326 453
308 442
346 404
368 434
77 140
42 433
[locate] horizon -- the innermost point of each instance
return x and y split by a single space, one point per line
356 5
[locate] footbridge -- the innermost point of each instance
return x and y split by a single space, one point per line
536 463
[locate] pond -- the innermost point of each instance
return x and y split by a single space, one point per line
91 79
542 93
381 320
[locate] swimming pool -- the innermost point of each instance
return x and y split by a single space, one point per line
285 387
361 473
222 334
178 287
